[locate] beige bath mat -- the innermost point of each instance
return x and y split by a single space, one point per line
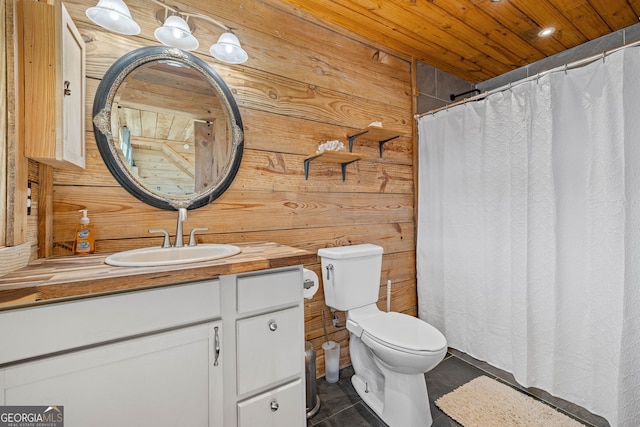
484 402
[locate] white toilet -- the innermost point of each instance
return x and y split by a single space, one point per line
390 352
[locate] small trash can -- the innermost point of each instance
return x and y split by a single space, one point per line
313 401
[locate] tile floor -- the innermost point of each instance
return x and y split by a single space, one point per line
342 407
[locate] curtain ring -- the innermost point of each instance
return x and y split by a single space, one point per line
565 68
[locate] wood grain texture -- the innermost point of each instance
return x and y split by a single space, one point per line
17 164
4 129
67 277
294 94
475 39
14 258
45 211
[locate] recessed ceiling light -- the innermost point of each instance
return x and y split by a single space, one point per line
546 32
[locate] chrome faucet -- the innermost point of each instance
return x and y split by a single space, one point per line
182 217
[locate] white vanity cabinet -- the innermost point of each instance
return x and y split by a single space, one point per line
225 352
144 358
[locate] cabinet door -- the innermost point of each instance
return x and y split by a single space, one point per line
72 145
165 379
54 85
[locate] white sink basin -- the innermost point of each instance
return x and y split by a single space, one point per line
156 256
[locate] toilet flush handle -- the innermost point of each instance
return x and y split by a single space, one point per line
329 270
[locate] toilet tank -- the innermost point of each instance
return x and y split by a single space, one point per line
351 275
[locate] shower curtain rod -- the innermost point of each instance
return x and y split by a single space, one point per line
565 68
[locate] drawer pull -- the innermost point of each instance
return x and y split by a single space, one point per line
274 405
216 347
273 325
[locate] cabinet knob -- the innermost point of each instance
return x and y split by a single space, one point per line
274 405
273 325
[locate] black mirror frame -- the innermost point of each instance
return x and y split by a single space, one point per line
103 100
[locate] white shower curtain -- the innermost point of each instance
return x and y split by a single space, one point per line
529 232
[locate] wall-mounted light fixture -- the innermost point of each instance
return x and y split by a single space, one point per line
113 15
176 28
177 31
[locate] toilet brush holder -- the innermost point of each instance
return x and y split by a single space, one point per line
331 361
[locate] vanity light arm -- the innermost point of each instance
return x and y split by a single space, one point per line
193 15
206 18
192 235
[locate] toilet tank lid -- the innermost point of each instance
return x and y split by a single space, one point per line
353 251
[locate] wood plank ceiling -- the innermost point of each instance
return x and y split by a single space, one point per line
476 39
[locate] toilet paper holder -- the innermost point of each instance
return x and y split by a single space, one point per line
309 283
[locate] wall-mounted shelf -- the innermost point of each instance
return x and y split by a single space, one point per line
375 133
329 156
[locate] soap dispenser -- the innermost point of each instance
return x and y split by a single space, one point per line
84 241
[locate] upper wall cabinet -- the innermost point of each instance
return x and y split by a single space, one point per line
54 86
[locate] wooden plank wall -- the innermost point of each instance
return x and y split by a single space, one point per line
4 132
303 84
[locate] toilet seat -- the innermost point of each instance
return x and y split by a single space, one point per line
403 333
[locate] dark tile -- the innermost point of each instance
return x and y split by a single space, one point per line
445 421
335 397
447 84
489 369
571 409
574 411
632 33
503 79
450 374
358 415
427 103
341 405
426 79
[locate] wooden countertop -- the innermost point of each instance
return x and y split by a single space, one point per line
81 276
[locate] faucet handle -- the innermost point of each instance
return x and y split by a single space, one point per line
166 243
192 235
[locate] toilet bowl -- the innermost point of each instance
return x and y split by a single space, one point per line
406 344
390 352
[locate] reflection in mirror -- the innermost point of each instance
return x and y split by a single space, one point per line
165 118
173 131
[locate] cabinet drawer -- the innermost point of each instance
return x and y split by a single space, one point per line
265 291
282 406
270 349
40 330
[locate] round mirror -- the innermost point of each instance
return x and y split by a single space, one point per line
168 128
